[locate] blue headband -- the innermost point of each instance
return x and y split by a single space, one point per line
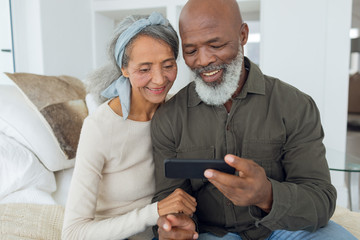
121 87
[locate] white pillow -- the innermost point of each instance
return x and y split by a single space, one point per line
63 181
23 178
20 119
91 103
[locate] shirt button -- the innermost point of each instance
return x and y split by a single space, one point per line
228 203
227 127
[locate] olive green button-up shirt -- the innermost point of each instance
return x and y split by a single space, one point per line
270 122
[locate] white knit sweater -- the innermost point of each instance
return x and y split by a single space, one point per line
113 180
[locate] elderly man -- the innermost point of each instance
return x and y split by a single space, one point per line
268 131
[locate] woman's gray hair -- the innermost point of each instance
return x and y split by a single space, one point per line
101 78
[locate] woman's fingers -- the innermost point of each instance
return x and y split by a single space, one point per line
178 207
177 202
175 206
184 195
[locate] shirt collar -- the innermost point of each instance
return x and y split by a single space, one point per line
255 83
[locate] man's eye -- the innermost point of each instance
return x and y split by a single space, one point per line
190 52
217 46
144 70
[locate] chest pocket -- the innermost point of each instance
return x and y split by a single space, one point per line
197 153
266 153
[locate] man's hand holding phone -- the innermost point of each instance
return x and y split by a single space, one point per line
250 187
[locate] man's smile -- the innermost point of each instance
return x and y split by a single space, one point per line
211 76
211 73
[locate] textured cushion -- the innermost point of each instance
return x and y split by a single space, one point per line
45 113
31 221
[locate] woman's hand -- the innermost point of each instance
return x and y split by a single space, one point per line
177 202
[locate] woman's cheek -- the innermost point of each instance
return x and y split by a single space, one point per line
140 81
172 75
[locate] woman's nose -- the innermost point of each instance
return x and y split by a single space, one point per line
158 77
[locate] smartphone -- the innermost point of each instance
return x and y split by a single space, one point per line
194 168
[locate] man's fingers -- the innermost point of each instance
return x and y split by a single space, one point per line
240 164
164 223
177 233
181 221
176 226
223 178
245 169
225 189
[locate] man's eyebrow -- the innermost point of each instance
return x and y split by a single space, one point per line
185 45
217 39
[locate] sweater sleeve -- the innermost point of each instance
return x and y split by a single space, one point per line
79 219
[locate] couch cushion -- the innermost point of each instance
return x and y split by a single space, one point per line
45 113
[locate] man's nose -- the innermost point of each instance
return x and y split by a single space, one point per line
204 58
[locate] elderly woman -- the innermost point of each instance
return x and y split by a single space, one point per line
113 181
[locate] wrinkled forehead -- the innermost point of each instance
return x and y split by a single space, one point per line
194 23
205 18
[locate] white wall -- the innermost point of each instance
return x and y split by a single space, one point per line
6 55
53 37
306 43
67 37
27 36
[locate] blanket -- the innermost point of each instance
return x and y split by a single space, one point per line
20 221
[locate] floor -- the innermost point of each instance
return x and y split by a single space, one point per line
353 148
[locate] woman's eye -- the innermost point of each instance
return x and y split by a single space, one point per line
144 70
169 66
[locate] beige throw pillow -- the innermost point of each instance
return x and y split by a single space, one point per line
46 114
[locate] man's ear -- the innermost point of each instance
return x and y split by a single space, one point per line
244 33
124 72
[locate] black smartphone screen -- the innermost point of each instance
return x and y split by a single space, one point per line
194 168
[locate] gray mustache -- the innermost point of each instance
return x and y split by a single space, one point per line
209 68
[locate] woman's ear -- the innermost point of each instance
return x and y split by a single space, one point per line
124 72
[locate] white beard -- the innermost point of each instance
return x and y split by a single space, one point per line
219 93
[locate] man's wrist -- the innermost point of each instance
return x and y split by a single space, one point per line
266 206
